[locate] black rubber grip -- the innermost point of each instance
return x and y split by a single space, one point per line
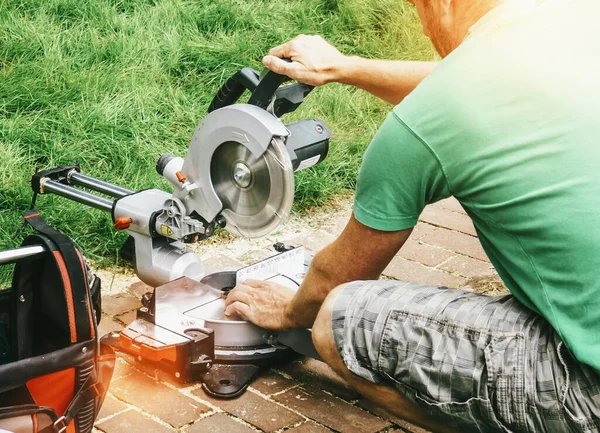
288 97
261 97
234 88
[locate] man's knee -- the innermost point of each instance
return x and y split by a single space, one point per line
322 334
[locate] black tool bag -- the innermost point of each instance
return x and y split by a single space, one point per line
54 371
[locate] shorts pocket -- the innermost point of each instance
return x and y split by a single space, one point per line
575 404
577 424
450 370
473 415
505 361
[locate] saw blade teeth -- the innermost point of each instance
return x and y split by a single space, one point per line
276 158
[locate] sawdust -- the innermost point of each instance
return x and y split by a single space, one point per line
487 285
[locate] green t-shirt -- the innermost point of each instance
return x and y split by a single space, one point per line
509 124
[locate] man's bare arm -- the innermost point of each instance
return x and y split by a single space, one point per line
359 253
316 62
390 80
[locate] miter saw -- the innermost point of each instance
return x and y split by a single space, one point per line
238 173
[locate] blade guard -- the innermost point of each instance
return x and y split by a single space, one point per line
248 125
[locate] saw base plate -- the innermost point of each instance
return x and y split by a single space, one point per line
182 329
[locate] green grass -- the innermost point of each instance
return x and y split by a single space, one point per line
115 83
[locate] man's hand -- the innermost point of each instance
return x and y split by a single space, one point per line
360 253
314 61
263 303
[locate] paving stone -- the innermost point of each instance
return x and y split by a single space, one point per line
377 410
468 267
127 317
271 383
122 369
407 427
120 303
255 256
441 217
405 270
254 409
457 242
220 262
336 225
111 406
218 423
331 411
139 289
422 229
107 325
423 253
452 204
314 241
309 427
132 421
319 374
153 397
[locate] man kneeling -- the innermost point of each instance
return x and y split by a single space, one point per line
509 124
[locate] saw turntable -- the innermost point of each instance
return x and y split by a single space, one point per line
238 173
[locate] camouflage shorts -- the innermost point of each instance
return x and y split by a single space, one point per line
478 363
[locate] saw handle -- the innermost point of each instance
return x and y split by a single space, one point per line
232 90
287 98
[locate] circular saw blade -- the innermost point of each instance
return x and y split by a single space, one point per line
257 192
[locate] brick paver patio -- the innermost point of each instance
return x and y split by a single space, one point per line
302 395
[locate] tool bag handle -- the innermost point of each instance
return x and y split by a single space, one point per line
29 418
71 266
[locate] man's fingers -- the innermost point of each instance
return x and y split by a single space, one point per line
240 309
255 283
282 67
280 51
239 294
238 302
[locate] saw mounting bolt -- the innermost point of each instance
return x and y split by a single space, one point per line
242 175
